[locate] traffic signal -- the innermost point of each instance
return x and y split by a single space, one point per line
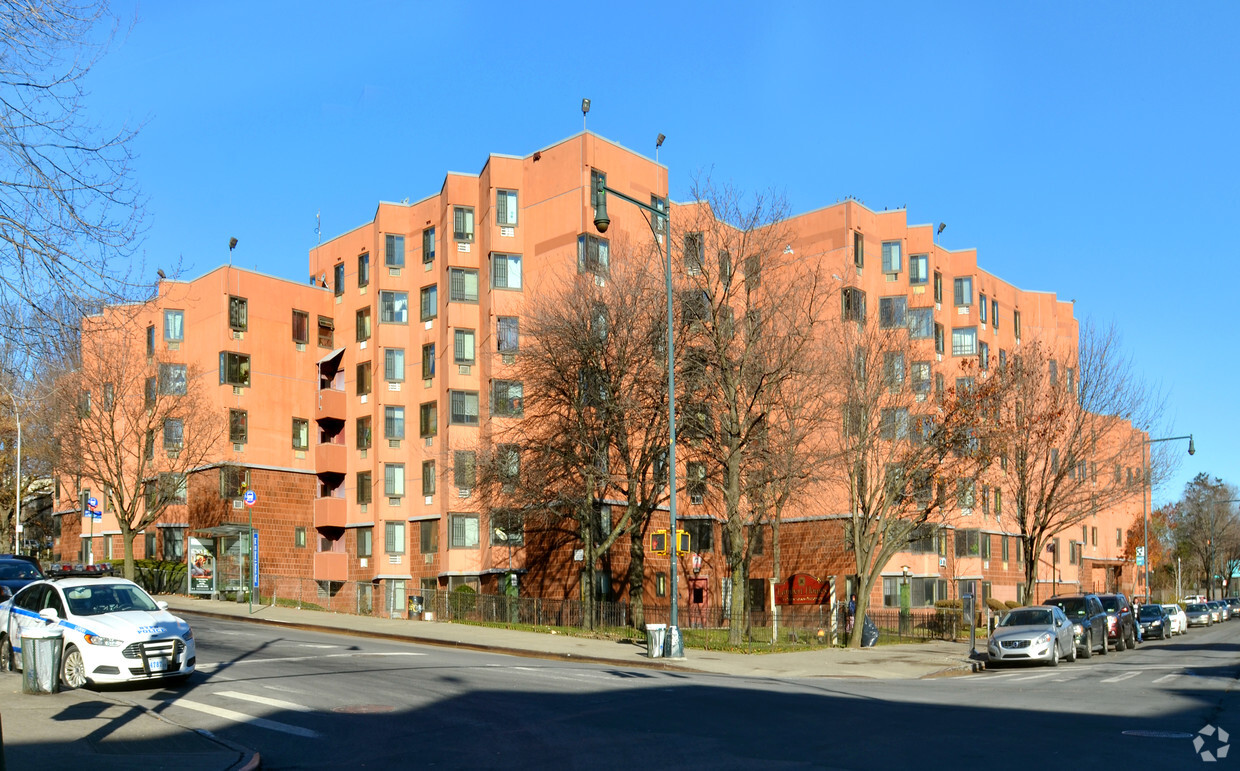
658 542
682 542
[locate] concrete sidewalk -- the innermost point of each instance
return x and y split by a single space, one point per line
905 661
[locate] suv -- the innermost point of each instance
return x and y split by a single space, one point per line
1121 627
17 570
1089 621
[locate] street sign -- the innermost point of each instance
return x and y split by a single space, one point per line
92 502
254 558
1140 551
1140 560
250 497
96 516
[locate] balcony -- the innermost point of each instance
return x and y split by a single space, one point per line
331 566
329 512
330 458
331 404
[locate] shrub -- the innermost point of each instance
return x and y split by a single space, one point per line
462 600
1012 604
155 576
994 604
957 604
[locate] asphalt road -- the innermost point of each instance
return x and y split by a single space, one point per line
312 700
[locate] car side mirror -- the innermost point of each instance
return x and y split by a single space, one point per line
161 605
49 614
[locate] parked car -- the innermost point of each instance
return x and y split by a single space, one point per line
1121 626
1154 622
1179 622
17 570
113 631
1224 610
1088 619
1198 614
1216 613
1037 633
1233 604
1194 599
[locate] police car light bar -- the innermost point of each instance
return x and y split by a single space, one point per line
62 569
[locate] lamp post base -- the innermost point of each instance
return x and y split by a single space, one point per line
673 645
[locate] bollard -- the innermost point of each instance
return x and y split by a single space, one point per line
41 651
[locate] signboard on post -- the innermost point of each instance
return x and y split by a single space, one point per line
201 566
254 560
1140 556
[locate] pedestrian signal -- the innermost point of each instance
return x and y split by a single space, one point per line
658 542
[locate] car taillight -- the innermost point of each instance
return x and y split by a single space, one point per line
1110 623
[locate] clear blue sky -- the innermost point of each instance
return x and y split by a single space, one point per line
1085 149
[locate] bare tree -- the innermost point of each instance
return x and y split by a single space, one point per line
69 211
901 443
1064 433
135 426
1207 528
592 369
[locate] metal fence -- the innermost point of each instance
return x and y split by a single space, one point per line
702 626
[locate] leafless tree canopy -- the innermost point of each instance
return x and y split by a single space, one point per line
69 211
1206 527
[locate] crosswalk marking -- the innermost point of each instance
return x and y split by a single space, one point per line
1167 678
1032 677
1124 676
240 717
284 659
277 703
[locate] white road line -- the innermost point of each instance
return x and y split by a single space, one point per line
1167 678
1118 678
313 645
284 659
1032 677
277 703
240 717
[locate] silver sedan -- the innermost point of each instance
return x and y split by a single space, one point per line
1039 633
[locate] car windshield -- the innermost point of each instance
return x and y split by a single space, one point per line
1071 607
18 571
1171 609
107 598
1150 612
1028 617
1197 608
1110 604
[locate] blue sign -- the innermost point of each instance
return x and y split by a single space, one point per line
92 502
250 497
96 516
254 558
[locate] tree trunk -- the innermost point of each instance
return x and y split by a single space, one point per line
637 568
775 578
587 566
127 536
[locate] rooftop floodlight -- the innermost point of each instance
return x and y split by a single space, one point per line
585 106
658 142
942 227
232 244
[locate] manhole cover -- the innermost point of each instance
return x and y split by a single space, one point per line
1159 734
364 709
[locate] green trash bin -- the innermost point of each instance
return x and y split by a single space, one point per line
654 640
41 651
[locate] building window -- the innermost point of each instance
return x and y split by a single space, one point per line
394 537
394 423
327 332
505 207
150 340
299 538
507 335
1093 536
858 249
464 529
964 341
1016 324
464 471
892 312
998 508
983 356
921 323
919 269
981 308
174 434
701 534
172 379
428 361
238 426
938 338
234 481
394 365
301 327
174 544
364 384
506 399
365 541
462 285
696 481
301 434
507 528
338 279
428 536
393 307
429 302
237 316
428 245
463 346
463 223
174 326
464 408
968 543
598 180
428 419
394 480
363 433
365 488
919 377
853 300
938 287
593 255
363 269
893 423
891 257
394 251
363 324
695 254
963 291
428 477
994 313
893 370
506 271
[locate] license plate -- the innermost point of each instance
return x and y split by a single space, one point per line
158 665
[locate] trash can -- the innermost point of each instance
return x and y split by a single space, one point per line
415 605
654 640
41 650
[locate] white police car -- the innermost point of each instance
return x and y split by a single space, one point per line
113 631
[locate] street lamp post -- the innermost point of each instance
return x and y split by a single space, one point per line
673 646
1145 481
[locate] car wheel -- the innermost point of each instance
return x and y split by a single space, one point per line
1089 645
1072 653
6 655
1054 660
1104 644
73 668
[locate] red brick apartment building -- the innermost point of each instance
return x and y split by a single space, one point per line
387 366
